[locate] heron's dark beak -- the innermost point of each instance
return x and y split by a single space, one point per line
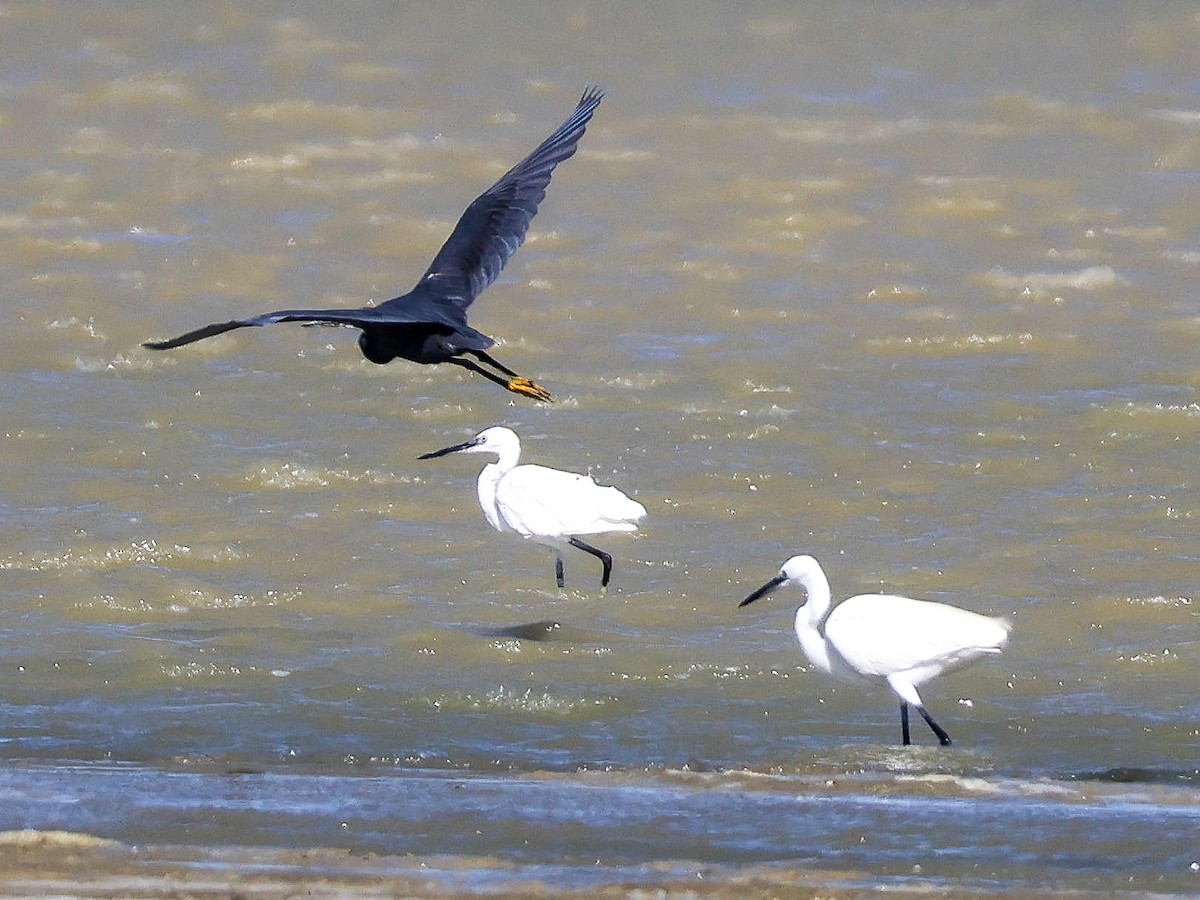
445 450
764 590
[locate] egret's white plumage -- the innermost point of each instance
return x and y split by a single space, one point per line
546 505
907 642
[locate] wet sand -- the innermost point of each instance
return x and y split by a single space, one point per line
39 864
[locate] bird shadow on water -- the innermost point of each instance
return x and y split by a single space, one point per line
545 630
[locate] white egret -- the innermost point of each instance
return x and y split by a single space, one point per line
904 641
546 505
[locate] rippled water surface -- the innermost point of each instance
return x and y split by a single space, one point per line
910 287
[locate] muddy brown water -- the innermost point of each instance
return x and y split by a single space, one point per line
911 287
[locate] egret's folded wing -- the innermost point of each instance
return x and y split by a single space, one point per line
535 500
879 633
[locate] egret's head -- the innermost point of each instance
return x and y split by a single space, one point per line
497 439
796 569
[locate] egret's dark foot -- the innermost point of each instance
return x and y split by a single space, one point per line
527 388
943 738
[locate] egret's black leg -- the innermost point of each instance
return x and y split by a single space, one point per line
605 559
516 384
558 570
937 729
904 723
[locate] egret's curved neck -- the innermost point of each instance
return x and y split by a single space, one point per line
507 458
820 597
811 616
489 478
507 455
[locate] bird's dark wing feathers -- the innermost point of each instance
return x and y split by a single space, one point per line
356 317
494 225
485 238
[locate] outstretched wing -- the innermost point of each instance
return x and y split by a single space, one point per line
359 318
494 225
485 238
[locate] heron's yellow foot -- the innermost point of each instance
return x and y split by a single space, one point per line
528 388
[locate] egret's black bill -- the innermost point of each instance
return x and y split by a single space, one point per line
764 590
447 450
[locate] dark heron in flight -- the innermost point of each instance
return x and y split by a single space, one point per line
429 324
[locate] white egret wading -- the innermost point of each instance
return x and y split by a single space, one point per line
904 641
546 505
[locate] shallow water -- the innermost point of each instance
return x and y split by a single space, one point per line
908 287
